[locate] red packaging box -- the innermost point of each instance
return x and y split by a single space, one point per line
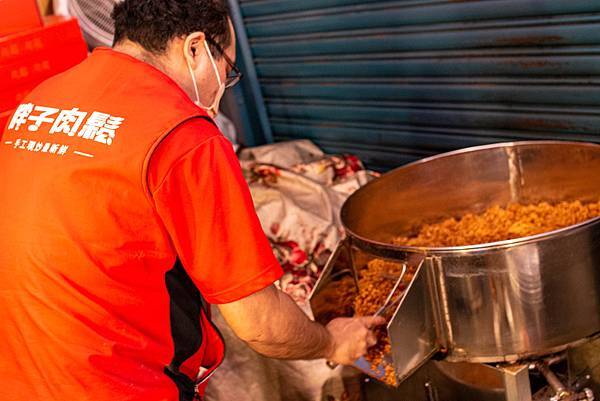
56 33
38 67
10 98
28 58
18 15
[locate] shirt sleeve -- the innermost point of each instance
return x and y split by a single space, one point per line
206 207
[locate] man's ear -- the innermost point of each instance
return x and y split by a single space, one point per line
191 47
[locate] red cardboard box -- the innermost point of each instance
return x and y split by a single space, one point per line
18 15
12 97
39 66
28 58
56 32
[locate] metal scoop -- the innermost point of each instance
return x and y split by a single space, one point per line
386 305
387 302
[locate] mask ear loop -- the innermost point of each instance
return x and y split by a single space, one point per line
192 75
212 60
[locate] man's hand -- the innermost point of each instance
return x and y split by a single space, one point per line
351 337
271 323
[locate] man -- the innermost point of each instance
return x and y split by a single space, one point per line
124 214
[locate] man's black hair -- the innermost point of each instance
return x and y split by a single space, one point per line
154 23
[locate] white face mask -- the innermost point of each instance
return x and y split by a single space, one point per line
213 109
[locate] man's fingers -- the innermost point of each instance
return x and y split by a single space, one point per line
372 321
371 339
362 349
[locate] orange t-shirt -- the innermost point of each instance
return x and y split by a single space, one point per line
111 250
203 200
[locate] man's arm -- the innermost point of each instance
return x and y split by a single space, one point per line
205 205
272 324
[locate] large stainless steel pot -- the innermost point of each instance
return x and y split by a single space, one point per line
492 302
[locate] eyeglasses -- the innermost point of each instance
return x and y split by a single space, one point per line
235 75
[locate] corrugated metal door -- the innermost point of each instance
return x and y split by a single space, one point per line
394 81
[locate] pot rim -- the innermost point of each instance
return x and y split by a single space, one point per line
477 247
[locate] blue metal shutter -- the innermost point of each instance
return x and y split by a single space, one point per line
395 81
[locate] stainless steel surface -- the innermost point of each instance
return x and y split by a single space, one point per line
476 375
487 303
469 181
338 267
411 330
388 304
442 381
461 381
342 264
507 300
516 382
